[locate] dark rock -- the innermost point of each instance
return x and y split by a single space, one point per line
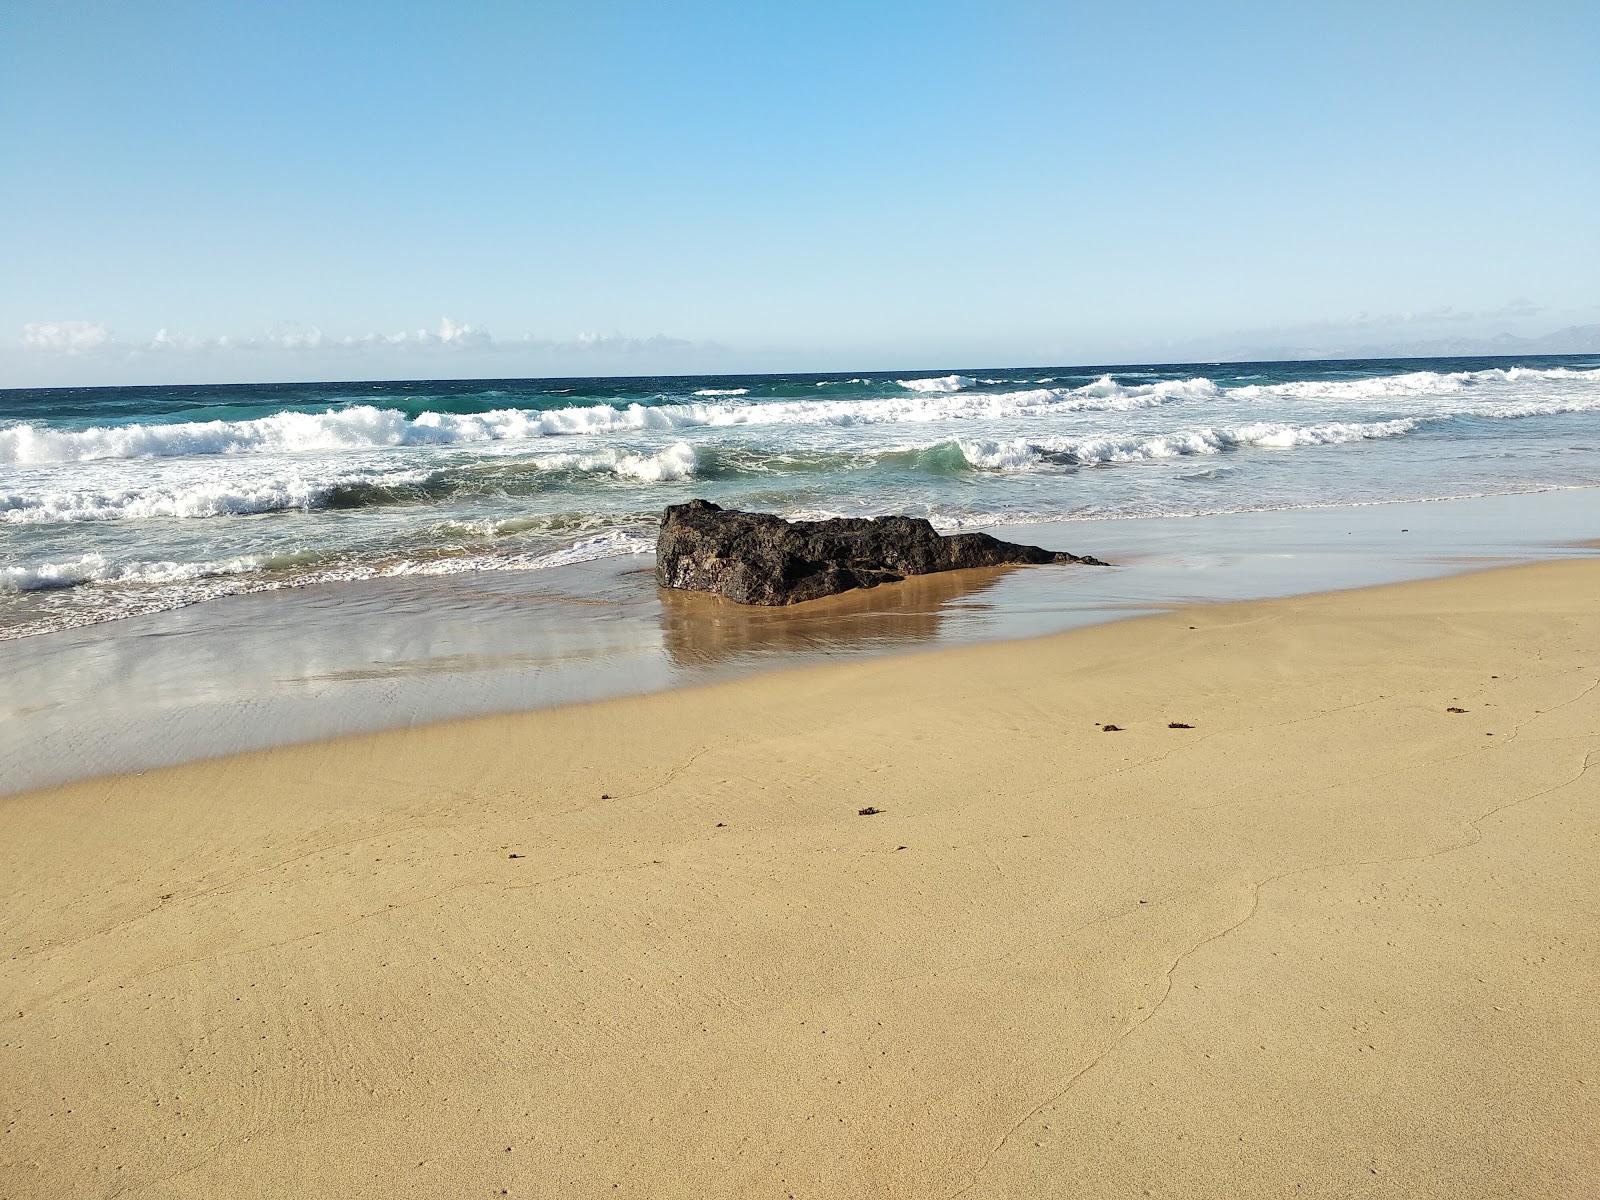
759 558
868 811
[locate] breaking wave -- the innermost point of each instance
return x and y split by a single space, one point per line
1021 454
96 568
364 427
216 497
944 383
1411 384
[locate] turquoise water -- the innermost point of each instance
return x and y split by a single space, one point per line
116 501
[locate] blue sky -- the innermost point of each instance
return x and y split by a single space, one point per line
217 191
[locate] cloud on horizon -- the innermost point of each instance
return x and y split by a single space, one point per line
90 338
65 337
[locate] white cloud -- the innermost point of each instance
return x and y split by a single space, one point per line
83 337
449 335
52 354
65 337
627 345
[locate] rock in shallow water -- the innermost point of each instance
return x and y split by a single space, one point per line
759 558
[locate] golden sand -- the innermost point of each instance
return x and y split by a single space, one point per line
1335 940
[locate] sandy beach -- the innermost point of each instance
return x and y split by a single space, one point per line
1334 934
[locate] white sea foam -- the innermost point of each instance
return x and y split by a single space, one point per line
944 383
144 588
1139 395
724 392
677 461
358 427
1022 454
1500 392
1535 408
211 495
361 427
96 568
364 427
45 576
81 505
1412 384
611 544
215 493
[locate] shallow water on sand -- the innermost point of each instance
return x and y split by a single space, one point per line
251 671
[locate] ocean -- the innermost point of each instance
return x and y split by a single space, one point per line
123 501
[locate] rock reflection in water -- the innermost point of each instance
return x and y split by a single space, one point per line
702 630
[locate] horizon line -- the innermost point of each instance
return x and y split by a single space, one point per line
916 371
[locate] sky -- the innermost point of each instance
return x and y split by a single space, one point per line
212 192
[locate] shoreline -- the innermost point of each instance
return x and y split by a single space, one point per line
561 560
278 668
648 942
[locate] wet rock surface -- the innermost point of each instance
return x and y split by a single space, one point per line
759 558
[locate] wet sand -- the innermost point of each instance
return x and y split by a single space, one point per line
1335 938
